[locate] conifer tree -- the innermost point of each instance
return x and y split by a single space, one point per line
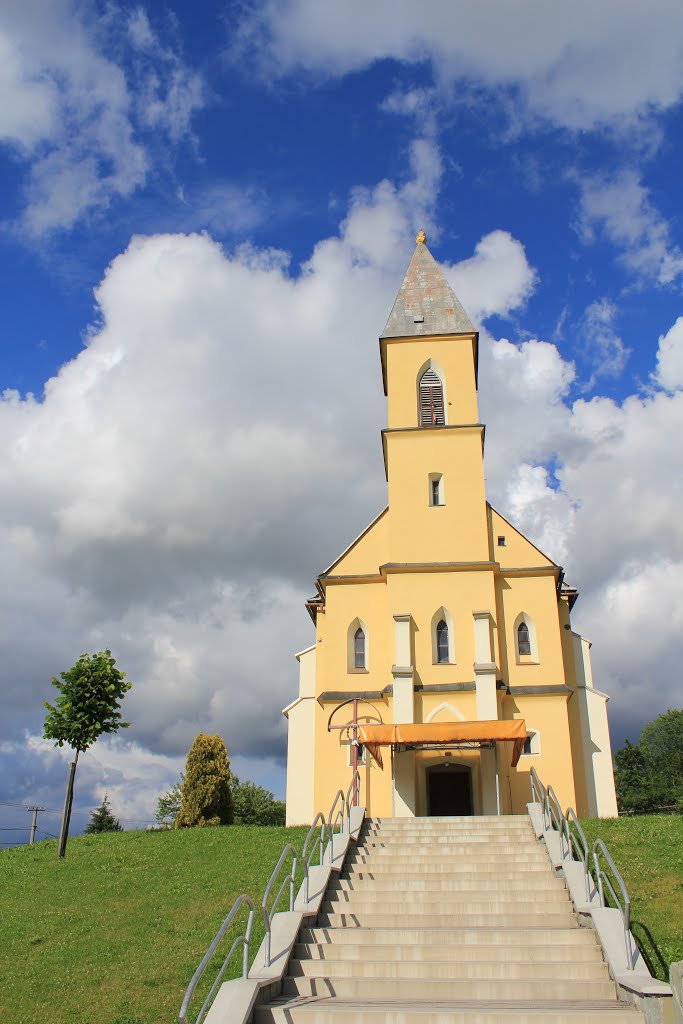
168 805
206 796
102 820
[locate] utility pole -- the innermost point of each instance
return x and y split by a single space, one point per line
34 823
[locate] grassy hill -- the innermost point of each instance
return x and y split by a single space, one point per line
113 934
648 850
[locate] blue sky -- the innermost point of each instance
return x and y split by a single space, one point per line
205 215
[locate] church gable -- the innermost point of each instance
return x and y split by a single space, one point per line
511 548
367 552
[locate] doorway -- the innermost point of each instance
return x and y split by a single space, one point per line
449 790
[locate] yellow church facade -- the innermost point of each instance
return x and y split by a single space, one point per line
444 651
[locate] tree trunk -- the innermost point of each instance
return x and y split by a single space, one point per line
66 813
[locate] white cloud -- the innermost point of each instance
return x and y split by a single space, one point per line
577 66
669 372
601 344
74 118
168 494
621 208
496 279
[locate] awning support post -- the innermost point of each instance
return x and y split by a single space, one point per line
355 753
495 747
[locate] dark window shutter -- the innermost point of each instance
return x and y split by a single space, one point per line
431 400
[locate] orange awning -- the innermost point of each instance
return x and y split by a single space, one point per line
442 733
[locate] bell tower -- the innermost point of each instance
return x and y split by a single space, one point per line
433 444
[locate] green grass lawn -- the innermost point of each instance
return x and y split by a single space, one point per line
113 933
648 850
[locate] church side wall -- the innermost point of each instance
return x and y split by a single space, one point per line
301 745
545 714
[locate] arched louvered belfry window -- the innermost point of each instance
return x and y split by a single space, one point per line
442 642
431 400
359 649
523 639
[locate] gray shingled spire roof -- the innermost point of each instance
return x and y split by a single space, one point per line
426 304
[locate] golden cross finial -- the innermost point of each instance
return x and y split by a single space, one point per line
421 238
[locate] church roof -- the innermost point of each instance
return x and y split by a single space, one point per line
425 303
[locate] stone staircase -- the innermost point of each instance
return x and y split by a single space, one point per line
447 921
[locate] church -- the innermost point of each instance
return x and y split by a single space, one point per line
445 665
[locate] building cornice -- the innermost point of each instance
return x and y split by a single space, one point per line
538 691
392 568
428 432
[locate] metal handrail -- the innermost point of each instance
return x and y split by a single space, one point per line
576 843
333 818
306 859
245 939
341 818
573 839
538 793
552 811
289 879
603 879
355 777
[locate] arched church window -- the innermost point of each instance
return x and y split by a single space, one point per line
442 642
523 639
359 648
431 400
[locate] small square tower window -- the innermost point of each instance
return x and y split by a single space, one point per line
501 541
532 744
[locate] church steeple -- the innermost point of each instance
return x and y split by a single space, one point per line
425 304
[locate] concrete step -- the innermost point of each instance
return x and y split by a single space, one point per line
439 883
504 821
448 903
512 970
449 851
488 934
462 919
421 988
452 869
466 952
415 865
450 836
461 837
445 900
344 1011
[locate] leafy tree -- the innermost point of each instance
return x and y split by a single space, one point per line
168 805
102 820
206 797
662 744
87 706
649 774
255 805
634 792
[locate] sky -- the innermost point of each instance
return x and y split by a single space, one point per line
205 215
